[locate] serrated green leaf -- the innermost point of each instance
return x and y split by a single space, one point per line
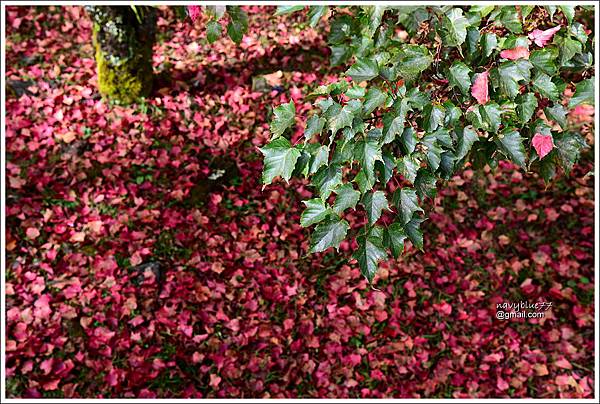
280 159
489 43
543 84
315 13
568 147
393 238
543 60
584 93
347 197
363 70
356 92
425 184
367 152
558 114
408 167
327 179
433 117
490 116
374 99
412 60
454 27
392 126
238 23
315 212
284 117
340 54
318 159
374 203
466 138
414 233
509 18
405 199
339 120
213 31
568 47
281 10
526 105
408 140
433 151
314 126
510 74
370 251
386 167
510 143
459 77
329 234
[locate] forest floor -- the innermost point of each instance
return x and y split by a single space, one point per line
232 305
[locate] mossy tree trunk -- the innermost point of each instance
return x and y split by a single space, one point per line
123 37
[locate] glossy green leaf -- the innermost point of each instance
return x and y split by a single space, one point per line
460 77
328 234
370 251
393 238
284 117
510 143
363 70
346 197
584 93
279 160
315 212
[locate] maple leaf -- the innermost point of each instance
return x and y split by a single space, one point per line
543 144
541 38
479 90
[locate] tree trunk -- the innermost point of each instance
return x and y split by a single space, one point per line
123 37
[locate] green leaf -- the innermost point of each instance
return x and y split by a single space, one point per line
526 105
569 146
558 114
315 13
584 93
280 160
363 70
425 184
405 199
491 116
281 10
374 203
393 238
370 251
329 234
510 74
433 116
315 212
489 42
340 120
285 116
327 179
509 18
466 138
318 159
433 152
356 92
340 54
459 77
392 126
386 167
374 14
238 24
568 48
543 84
454 27
412 60
543 60
347 197
213 31
367 152
408 140
373 100
314 126
414 232
510 143
408 167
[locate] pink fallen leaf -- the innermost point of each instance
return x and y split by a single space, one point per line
502 384
520 52
563 364
194 12
479 90
543 144
32 233
541 38
78 236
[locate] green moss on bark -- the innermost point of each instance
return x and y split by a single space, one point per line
123 50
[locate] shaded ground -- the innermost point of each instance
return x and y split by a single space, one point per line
235 307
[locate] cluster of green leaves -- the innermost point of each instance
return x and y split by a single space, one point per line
409 114
236 27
